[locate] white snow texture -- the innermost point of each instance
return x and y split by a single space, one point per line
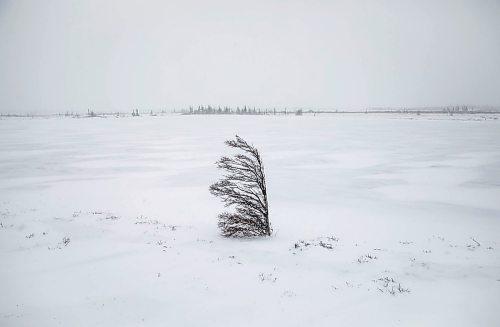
379 220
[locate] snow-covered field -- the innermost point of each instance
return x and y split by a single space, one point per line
378 220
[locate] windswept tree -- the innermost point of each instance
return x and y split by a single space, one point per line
244 188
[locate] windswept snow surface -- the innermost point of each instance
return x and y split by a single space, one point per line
378 220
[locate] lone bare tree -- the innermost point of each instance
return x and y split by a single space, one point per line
243 186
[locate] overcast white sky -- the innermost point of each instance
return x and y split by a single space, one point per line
72 55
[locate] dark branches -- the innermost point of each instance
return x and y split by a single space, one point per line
244 187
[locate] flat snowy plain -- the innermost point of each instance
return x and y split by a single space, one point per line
379 220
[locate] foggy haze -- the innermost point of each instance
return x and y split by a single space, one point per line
65 55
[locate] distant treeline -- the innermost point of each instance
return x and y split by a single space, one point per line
245 110
209 110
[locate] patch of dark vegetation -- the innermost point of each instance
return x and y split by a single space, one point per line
143 220
390 286
64 243
163 245
328 242
270 277
473 247
367 258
